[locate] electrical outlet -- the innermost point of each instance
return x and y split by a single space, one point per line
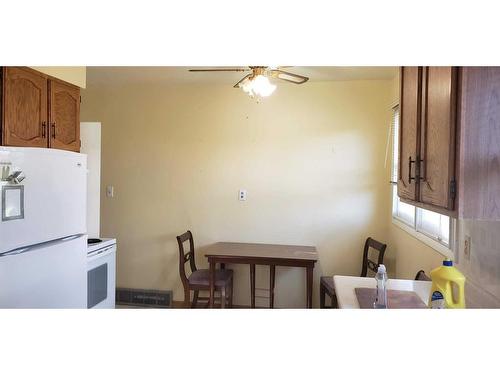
242 195
467 247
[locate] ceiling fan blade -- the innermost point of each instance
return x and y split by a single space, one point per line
220 70
290 77
241 80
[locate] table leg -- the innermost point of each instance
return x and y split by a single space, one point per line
309 276
252 285
212 284
272 273
322 293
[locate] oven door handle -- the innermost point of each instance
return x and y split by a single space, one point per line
101 252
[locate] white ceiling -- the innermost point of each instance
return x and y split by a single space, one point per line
109 75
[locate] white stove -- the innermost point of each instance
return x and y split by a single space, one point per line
101 274
103 242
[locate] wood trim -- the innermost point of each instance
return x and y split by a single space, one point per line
409 189
401 109
446 201
422 144
52 78
458 140
453 136
33 71
261 261
2 120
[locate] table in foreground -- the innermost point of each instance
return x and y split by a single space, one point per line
346 296
262 254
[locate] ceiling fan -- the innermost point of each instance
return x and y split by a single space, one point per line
257 81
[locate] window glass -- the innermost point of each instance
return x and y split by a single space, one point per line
434 225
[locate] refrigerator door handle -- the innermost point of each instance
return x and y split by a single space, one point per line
36 247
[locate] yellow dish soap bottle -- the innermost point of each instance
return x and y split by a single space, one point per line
447 290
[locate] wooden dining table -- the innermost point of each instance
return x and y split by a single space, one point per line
262 254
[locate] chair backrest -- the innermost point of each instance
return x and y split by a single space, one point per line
367 262
184 257
422 276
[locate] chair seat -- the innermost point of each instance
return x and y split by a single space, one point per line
327 282
201 278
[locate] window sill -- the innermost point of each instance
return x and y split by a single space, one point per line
441 249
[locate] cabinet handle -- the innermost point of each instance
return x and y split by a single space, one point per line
410 162
53 130
420 169
44 129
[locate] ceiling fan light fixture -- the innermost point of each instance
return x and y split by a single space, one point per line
289 77
262 86
246 86
258 85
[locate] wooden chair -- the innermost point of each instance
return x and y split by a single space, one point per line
422 276
200 279
326 285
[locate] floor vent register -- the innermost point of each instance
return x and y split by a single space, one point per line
144 298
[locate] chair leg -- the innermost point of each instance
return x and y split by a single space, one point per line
334 301
187 295
231 294
195 299
322 293
223 298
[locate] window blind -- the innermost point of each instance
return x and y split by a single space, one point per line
395 144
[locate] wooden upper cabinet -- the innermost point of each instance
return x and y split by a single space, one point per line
64 116
25 119
427 144
438 132
410 100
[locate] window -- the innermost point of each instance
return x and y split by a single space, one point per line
433 225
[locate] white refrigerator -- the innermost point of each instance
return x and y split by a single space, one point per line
43 240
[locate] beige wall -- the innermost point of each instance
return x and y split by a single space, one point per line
76 75
412 255
311 158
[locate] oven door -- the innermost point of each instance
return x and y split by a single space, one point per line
101 278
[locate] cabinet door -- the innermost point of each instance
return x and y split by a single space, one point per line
437 168
25 108
64 116
410 100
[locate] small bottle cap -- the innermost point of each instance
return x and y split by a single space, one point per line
381 268
447 262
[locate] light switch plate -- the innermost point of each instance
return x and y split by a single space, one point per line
110 191
467 247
